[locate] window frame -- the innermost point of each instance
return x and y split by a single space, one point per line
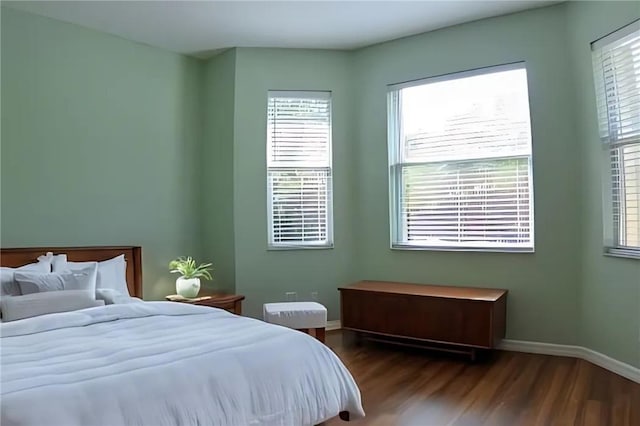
301 245
395 165
611 226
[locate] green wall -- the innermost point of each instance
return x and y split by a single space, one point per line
542 286
175 148
98 140
267 275
554 293
216 165
610 287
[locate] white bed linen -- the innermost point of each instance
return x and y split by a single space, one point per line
30 305
164 363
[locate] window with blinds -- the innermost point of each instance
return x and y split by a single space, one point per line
299 169
616 66
460 162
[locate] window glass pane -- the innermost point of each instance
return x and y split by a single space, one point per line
474 117
299 132
300 204
617 79
625 161
479 203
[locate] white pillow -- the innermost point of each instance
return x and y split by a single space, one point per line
58 261
31 305
48 257
112 273
111 297
8 285
82 279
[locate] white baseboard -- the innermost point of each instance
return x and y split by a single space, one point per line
601 360
333 325
541 348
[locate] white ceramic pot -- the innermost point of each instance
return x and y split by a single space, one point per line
188 287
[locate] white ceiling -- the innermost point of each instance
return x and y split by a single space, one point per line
201 28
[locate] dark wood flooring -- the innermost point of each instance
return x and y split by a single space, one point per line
409 387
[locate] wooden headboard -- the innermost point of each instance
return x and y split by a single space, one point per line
14 257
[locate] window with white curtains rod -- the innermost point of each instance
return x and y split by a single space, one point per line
616 67
299 181
460 162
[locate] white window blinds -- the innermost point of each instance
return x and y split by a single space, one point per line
460 161
616 65
299 169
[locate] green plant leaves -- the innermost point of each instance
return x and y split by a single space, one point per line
188 268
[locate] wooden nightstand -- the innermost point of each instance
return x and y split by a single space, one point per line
228 302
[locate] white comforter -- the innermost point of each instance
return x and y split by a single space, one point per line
163 363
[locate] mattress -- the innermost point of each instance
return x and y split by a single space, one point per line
164 363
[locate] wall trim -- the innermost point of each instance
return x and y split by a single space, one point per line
601 360
620 368
333 325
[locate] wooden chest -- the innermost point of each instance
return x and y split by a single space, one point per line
461 316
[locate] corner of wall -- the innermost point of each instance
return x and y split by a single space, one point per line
216 165
573 119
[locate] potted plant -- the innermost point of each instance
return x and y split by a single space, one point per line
188 283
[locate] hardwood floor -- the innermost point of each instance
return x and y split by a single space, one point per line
407 387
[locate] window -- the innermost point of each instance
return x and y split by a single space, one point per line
616 66
299 169
460 162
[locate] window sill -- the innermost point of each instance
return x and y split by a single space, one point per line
623 253
287 248
527 250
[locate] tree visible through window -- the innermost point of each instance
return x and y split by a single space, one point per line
460 161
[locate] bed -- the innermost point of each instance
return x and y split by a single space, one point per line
163 363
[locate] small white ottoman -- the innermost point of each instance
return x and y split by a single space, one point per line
302 316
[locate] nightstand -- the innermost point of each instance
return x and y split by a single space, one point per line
228 302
